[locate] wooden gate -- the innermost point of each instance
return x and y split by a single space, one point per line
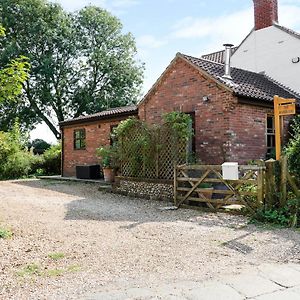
190 181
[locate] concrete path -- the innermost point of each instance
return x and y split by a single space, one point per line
266 282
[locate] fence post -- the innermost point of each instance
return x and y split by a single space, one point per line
270 183
283 180
175 184
260 184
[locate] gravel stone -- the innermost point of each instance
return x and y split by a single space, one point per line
113 242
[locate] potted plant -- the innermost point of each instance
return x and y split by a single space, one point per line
207 186
107 156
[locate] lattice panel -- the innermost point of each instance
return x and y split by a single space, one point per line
158 162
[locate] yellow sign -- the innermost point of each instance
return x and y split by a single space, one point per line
287 109
282 107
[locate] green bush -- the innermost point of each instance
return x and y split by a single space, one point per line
292 150
52 160
287 216
17 162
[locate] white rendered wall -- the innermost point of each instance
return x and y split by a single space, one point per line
271 50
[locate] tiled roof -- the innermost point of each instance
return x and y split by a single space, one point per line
113 112
244 83
218 56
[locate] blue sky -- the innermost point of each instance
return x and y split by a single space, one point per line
164 27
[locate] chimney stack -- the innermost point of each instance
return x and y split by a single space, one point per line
265 13
227 65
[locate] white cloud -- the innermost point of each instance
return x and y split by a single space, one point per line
289 16
123 3
230 25
212 32
115 6
149 41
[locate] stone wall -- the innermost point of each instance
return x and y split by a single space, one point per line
148 189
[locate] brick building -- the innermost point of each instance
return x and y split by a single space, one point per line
232 109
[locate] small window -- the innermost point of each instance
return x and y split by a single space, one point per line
270 135
79 139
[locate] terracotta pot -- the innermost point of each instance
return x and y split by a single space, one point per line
208 194
109 175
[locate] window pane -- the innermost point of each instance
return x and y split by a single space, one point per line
77 144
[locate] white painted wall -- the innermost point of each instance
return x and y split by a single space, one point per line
271 50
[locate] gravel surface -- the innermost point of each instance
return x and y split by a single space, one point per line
71 239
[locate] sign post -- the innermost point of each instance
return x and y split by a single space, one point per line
282 107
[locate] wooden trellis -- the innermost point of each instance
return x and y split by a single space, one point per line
189 178
157 162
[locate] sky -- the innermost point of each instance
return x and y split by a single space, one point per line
164 27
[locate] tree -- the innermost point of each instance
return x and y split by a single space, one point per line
39 146
12 76
80 62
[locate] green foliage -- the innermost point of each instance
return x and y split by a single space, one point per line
30 270
81 62
12 76
39 146
5 233
52 160
107 155
287 216
292 150
181 124
17 162
140 145
56 255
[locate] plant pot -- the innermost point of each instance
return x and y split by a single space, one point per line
208 194
109 175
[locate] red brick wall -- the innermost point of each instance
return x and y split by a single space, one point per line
97 133
225 130
182 89
265 13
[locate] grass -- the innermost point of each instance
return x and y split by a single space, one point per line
33 269
5 233
30 270
55 272
56 256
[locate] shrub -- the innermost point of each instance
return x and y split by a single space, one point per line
39 146
287 216
15 160
52 160
292 150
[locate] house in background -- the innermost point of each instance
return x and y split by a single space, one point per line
269 48
83 135
232 107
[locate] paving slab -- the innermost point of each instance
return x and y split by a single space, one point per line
281 274
294 266
252 285
296 290
286 294
214 291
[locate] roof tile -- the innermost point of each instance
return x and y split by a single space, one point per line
245 83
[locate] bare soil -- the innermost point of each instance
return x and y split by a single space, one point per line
71 239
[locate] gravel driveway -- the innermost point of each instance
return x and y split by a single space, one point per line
71 239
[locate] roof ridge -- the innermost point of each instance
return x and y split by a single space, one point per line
287 30
205 59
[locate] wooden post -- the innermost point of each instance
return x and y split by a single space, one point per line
175 184
283 180
260 185
277 127
270 183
